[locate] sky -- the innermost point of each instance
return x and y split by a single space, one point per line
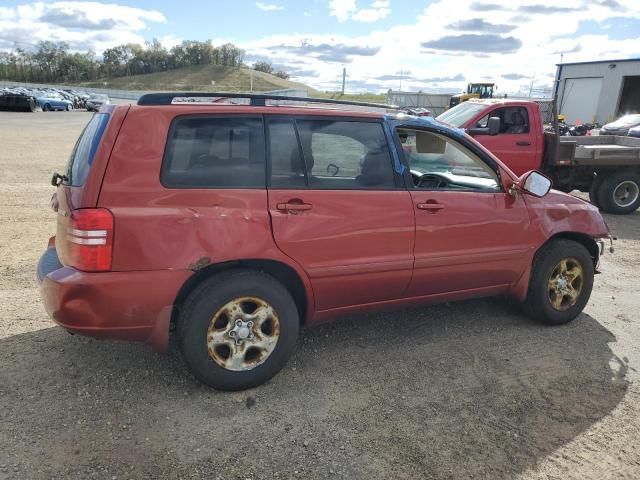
384 44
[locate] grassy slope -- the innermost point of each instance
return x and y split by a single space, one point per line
199 77
227 79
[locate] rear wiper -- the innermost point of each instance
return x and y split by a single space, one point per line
57 179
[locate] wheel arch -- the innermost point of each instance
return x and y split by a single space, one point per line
582 238
521 287
282 272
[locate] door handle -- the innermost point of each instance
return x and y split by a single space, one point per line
523 143
430 206
293 206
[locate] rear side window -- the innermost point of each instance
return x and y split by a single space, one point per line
209 152
86 148
334 154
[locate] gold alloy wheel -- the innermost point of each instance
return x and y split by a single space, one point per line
243 333
565 284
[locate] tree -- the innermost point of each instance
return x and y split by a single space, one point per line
282 74
265 67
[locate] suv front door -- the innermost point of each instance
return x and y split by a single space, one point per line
338 208
471 236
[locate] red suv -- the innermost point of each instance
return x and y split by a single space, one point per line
233 224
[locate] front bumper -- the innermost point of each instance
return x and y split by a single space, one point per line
133 306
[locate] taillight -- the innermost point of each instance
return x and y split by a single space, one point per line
90 237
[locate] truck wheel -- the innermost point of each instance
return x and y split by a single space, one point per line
620 193
561 282
238 329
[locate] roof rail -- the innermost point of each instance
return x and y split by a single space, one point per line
256 100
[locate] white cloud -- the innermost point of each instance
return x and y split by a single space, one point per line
83 25
268 7
525 40
344 10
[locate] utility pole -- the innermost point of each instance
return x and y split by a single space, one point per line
344 78
401 72
251 75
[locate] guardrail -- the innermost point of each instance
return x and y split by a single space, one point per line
129 94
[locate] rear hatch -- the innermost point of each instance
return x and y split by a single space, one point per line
85 233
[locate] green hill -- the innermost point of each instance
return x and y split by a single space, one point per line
200 78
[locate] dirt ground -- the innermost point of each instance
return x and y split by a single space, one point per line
466 390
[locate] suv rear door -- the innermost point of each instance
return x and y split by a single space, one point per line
338 208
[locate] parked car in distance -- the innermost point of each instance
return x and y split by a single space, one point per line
234 225
419 111
95 101
634 132
621 126
52 101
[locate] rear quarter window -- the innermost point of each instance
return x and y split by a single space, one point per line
214 152
85 149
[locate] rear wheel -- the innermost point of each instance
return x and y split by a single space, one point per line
238 329
69 108
561 282
620 193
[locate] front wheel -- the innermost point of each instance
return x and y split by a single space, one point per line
69 108
238 329
620 193
561 282
47 107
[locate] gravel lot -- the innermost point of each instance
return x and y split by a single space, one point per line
466 390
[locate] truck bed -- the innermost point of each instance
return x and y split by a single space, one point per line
602 150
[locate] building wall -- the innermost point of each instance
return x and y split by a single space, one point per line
608 97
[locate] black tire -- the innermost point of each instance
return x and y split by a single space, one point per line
594 190
69 108
208 299
609 188
538 304
47 107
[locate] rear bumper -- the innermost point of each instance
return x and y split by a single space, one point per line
134 306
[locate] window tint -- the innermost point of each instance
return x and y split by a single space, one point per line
214 152
513 120
86 148
287 164
341 154
438 163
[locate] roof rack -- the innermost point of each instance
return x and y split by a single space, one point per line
256 100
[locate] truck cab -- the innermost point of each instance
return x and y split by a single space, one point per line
608 167
519 141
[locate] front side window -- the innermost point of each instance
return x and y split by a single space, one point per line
345 154
205 152
437 162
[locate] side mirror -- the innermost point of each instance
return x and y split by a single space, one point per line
534 183
492 128
493 125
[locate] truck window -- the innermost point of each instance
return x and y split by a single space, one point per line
513 120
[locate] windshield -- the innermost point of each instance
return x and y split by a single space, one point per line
461 114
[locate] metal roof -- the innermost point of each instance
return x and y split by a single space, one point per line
600 61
